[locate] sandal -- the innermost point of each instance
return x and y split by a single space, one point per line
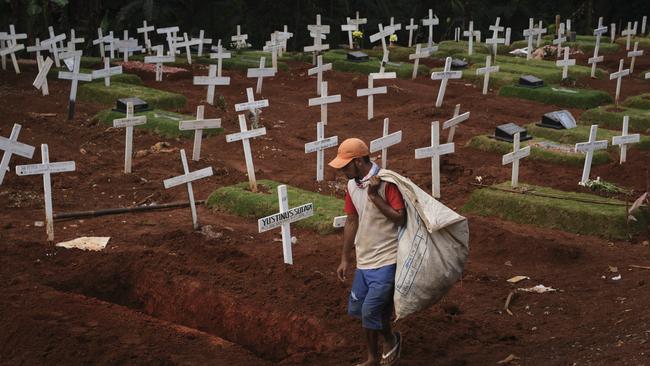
391 358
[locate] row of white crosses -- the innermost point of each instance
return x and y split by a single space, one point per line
318 32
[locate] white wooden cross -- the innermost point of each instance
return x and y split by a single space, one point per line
419 53
170 35
3 42
622 141
198 125
589 147
74 40
495 40
644 20
636 52
318 70
46 169
75 76
201 41
212 80
434 152
274 46
628 33
319 147
187 178
370 92
37 47
101 39
612 33
647 75
283 37
188 43
252 105
508 34
159 60
260 73
220 56
349 27
383 143
514 158
411 27
598 32
127 45
396 27
240 39
565 63
540 30
11 146
284 219
529 34
486 71
620 74
129 122
107 72
43 69
429 22
381 35
323 101
359 21
455 121
12 46
52 43
244 135
445 75
145 31
470 33
318 32
560 38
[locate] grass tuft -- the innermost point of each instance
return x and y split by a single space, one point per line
577 98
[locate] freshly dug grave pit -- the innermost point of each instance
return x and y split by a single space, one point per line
270 333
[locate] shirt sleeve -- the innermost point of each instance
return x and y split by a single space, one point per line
394 197
349 205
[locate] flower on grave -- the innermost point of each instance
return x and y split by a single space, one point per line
393 38
478 178
357 34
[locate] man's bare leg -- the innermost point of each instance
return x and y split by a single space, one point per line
372 337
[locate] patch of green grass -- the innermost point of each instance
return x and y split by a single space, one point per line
91 62
97 92
641 101
497 79
581 134
453 49
238 200
161 122
644 42
585 44
610 117
121 78
582 98
565 213
486 143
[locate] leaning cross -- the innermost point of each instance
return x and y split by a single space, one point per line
11 146
618 76
198 125
244 137
419 53
13 46
74 76
260 73
107 72
383 143
634 54
101 39
37 47
201 41
454 121
565 63
74 40
411 27
487 70
145 31
52 44
319 147
318 70
274 46
129 121
46 169
589 147
625 139
445 75
323 101
170 35
284 219
381 35
370 92
43 69
252 105
434 152
514 158
188 43
187 178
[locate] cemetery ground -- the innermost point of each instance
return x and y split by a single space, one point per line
161 293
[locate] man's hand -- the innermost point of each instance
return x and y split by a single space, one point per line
373 187
342 271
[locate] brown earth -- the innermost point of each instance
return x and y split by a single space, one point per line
163 294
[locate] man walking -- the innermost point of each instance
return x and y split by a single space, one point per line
375 212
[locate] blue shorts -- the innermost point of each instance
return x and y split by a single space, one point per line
371 298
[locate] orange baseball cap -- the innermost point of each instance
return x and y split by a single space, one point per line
349 149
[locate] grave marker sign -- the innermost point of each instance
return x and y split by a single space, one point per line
159 60
370 92
434 152
429 22
52 43
619 75
383 143
129 122
411 27
624 140
319 147
636 52
589 147
323 101
486 71
514 157
43 69
145 32
318 70
417 56
445 75
107 72
565 63
244 136
11 146
455 121
260 73
198 125
75 76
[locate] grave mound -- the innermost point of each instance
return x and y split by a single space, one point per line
641 101
161 122
239 200
98 93
560 96
611 117
644 42
579 213
581 134
120 78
